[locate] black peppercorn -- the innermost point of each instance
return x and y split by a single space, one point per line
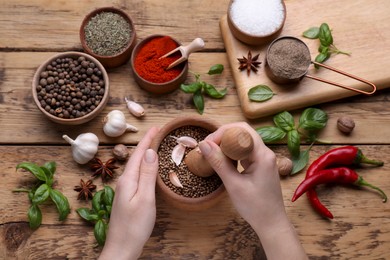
66 90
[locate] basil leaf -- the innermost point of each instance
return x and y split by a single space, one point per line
191 88
293 143
285 121
325 35
108 196
323 49
61 203
300 162
87 214
198 101
311 33
215 69
41 194
260 93
96 200
51 166
100 232
313 119
49 176
34 216
34 169
213 92
270 133
109 209
321 57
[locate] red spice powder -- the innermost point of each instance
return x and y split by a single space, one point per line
150 67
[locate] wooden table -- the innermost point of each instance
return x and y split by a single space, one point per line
32 31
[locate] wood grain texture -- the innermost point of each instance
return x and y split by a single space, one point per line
349 21
361 226
32 31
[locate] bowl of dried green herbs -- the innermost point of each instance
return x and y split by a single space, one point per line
109 35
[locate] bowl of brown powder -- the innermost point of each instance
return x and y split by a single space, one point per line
186 190
108 34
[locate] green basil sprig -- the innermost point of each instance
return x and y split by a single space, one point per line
326 48
200 88
100 213
311 121
42 192
260 93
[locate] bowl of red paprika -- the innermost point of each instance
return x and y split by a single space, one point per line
150 69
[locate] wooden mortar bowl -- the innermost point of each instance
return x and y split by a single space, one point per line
176 200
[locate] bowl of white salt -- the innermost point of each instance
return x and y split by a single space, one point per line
256 22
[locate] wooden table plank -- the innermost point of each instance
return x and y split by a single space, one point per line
183 235
54 25
18 111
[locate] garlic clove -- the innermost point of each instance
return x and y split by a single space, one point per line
175 180
135 109
84 147
187 141
131 128
178 154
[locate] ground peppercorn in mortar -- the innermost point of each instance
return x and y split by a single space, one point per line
193 186
70 87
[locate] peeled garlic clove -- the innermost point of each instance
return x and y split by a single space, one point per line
187 141
135 109
175 180
178 154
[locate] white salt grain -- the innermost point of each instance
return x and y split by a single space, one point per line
257 17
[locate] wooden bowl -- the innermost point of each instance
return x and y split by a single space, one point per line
153 87
78 120
249 38
176 200
113 60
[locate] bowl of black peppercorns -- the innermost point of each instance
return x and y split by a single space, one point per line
71 88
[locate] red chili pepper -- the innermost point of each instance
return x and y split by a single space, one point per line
346 155
341 175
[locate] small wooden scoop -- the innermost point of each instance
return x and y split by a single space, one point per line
236 143
195 45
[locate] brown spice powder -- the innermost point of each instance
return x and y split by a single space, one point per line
288 58
193 186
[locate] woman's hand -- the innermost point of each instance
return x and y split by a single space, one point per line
134 208
256 193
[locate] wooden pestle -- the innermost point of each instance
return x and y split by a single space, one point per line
236 143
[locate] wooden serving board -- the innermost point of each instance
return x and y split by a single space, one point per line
361 27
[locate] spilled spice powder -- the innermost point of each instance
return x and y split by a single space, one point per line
150 67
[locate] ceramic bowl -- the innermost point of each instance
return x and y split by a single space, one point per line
152 87
174 199
117 59
249 38
70 121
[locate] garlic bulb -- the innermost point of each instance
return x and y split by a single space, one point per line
135 109
84 147
115 124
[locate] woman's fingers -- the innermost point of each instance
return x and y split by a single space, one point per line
148 174
220 163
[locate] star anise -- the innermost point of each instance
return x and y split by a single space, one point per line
105 170
85 190
249 63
